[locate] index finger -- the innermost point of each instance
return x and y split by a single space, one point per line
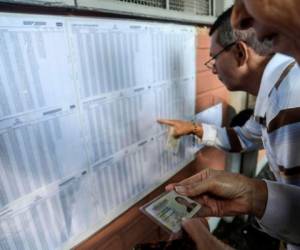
166 122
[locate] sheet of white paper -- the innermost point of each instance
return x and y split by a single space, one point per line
78 131
212 115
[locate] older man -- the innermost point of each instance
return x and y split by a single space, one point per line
275 123
278 204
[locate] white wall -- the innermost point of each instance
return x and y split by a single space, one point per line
227 4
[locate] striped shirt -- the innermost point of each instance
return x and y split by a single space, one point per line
275 124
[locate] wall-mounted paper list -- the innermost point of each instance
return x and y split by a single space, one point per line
79 142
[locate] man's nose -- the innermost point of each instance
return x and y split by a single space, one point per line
240 18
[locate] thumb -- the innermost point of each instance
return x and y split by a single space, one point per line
194 189
196 230
189 227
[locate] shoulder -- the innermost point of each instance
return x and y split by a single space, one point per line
275 67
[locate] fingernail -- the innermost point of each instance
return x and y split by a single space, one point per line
180 189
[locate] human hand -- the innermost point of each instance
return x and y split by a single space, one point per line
224 194
182 127
197 229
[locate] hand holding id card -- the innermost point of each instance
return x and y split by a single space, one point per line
168 209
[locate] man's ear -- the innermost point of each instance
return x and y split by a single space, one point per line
241 53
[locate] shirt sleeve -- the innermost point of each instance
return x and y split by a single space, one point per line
282 217
237 139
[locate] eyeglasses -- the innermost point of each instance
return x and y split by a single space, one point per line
211 62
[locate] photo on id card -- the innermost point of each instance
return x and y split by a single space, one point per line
168 209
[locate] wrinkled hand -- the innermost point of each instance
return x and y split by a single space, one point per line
224 194
180 127
198 231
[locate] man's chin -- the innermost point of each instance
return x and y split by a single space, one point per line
234 89
230 87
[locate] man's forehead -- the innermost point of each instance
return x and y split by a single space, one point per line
239 12
246 11
275 12
254 3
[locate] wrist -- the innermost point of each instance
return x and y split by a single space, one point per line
196 129
259 198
